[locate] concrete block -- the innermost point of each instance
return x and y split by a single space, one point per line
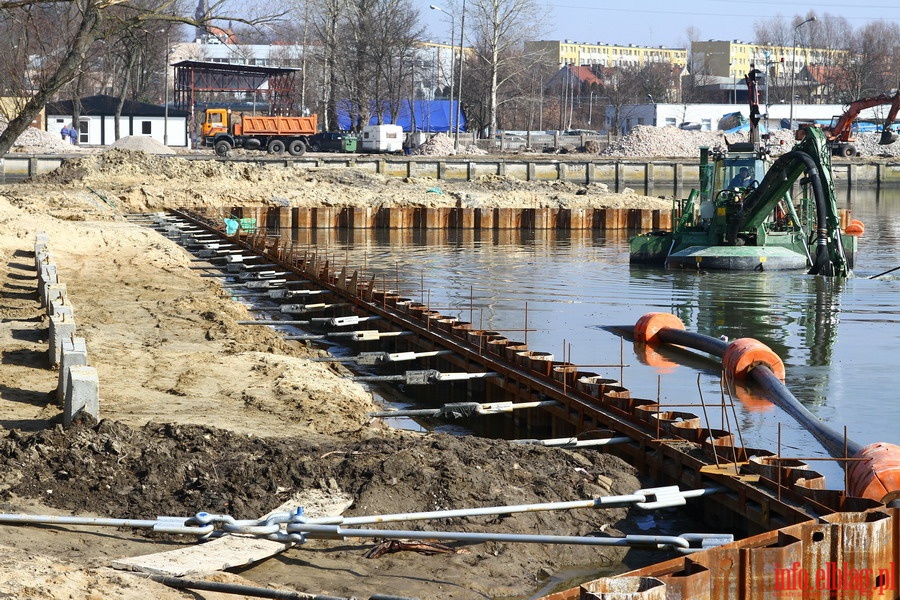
74 354
46 275
61 326
41 248
42 258
56 296
82 394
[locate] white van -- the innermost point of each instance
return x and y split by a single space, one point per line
382 138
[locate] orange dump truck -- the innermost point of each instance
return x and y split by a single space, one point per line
224 130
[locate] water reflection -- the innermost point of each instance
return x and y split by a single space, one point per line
838 338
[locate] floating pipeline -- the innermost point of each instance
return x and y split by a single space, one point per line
765 491
876 473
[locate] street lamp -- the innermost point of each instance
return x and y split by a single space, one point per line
462 30
794 67
166 109
733 82
452 54
590 107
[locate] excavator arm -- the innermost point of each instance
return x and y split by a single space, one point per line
841 130
812 158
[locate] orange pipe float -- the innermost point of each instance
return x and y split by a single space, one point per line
877 477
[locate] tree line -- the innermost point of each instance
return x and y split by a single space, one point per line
362 57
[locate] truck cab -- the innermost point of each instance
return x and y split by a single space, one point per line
217 121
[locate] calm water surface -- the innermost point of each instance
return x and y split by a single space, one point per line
839 339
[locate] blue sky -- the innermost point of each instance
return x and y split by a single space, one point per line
664 22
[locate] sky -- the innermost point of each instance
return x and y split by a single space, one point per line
665 22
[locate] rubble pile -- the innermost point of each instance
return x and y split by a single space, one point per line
649 141
471 150
867 145
440 144
671 142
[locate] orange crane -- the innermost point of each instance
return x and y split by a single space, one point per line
840 134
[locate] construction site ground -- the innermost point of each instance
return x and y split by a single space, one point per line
199 413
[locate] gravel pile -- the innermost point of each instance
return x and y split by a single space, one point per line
141 143
647 141
38 141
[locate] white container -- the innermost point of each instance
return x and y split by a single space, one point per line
382 138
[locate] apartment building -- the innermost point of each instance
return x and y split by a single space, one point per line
567 52
732 58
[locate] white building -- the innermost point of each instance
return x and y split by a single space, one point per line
707 117
96 123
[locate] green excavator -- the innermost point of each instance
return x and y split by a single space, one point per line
745 216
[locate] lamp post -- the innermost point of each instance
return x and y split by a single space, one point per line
733 82
462 30
794 67
166 108
590 107
452 54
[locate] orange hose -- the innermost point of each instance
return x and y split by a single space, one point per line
649 325
878 477
743 354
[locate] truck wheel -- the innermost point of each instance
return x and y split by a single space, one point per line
275 147
315 147
297 148
223 148
848 150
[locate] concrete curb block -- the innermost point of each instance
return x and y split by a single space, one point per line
82 394
78 388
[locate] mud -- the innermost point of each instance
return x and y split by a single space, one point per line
199 413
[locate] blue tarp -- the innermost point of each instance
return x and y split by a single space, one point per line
429 115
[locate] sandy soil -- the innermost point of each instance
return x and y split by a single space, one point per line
202 414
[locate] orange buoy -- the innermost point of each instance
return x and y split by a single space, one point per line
878 477
648 326
743 354
855 228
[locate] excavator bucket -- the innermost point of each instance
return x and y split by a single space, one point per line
888 137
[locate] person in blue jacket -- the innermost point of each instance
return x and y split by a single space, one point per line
65 133
73 134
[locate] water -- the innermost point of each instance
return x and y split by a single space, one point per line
836 337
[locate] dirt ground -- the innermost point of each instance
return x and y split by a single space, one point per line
199 413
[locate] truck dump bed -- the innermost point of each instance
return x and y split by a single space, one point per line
279 125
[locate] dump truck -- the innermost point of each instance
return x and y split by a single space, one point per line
224 130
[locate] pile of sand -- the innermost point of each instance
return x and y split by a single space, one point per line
141 143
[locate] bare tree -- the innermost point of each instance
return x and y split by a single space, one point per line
324 20
500 27
64 50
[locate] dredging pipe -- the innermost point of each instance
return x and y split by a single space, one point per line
876 476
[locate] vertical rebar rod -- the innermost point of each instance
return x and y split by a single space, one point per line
708 424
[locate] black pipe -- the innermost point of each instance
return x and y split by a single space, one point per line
246 590
822 263
776 392
772 387
697 341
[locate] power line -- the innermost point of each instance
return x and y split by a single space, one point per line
723 14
